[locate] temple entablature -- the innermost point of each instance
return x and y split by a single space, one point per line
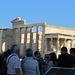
18 21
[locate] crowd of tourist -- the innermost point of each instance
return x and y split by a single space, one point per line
34 63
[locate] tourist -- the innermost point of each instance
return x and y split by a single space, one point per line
65 59
40 61
3 65
48 61
53 58
37 55
29 65
72 52
13 62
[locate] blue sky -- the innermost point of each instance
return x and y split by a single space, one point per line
54 12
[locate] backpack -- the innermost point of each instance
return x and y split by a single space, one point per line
3 67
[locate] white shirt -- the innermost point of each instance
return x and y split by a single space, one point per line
14 62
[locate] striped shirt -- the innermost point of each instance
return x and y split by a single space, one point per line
13 62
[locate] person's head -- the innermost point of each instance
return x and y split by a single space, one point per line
37 54
53 56
72 51
63 50
14 49
47 57
29 52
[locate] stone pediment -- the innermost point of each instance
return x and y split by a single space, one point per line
17 19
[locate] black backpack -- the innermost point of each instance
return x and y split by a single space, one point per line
3 67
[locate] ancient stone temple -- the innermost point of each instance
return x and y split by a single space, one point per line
39 36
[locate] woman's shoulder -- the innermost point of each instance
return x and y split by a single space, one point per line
35 60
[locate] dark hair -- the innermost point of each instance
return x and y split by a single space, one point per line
29 52
47 55
64 49
72 50
36 52
53 57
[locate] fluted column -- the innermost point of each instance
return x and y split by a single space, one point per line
43 39
57 46
1 47
37 36
51 44
19 37
31 37
65 42
14 35
71 43
48 45
25 38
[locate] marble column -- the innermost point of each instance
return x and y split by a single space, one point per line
64 42
51 44
46 45
43 39
25 38
14 35
71 43
1 47
37 37
19 37
31 37
57 46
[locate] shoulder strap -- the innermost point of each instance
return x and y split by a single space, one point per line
23 60
9 58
